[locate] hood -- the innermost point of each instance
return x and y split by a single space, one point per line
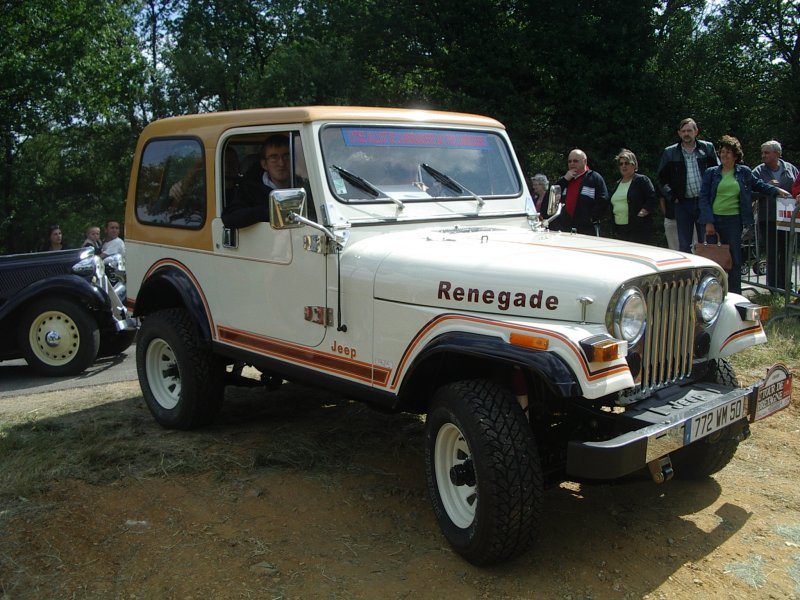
512 271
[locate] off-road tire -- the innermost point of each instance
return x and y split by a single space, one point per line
181 380
112 344
713 453
483 471
58 337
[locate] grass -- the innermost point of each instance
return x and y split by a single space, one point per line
783 345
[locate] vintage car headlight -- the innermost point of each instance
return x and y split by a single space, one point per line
630 316
89 266
708 299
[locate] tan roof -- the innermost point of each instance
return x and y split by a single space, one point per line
302 114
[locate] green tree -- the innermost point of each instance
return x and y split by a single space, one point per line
73 66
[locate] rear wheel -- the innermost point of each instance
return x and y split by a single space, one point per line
713 453
58 337
181 380
483 471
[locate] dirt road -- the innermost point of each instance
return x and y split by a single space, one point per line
301 495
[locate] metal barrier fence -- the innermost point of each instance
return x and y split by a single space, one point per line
770 258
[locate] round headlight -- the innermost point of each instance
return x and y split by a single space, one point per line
708 299
630 316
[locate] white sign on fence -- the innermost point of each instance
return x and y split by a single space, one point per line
785 207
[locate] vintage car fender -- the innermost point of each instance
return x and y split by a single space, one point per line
62 286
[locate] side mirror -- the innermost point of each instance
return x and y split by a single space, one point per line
554 200
283 205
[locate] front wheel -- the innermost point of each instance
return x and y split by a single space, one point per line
483 471
181 380
58 337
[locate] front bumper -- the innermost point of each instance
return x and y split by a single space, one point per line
666 421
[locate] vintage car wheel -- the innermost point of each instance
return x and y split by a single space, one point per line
112 344
711 454
483 471
58 337
181 380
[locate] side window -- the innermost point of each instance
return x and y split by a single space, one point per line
254 165
171 184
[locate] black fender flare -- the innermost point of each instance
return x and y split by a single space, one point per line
62 286
553 370
170 287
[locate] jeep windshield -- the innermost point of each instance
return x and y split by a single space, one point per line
409 164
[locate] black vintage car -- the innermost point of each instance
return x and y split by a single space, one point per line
61 310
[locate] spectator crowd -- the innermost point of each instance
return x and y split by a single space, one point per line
704 193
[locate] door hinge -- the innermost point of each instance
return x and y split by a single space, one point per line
318 244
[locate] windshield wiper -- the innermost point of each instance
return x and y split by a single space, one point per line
364 185
451 184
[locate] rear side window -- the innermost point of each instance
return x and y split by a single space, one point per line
171 185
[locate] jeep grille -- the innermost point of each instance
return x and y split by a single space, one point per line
669 337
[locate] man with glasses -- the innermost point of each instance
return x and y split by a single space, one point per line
680 174
251 205
585 196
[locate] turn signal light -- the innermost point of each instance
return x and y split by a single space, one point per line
753 312
529 341
604 349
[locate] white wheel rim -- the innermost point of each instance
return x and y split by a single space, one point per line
163 374
54 338
459 501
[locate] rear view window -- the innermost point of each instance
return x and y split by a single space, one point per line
171 188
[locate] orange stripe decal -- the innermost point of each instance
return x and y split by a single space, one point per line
741 333
306 356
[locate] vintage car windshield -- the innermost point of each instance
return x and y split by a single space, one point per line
381 164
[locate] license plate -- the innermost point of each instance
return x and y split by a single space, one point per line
715 419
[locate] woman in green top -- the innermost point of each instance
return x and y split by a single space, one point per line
726 202
633 201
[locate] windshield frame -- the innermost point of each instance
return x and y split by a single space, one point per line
503 157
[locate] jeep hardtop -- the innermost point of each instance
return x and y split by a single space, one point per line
406 266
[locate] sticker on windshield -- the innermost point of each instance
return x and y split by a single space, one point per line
419 138
338 183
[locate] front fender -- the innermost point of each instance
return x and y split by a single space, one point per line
61 286
547 365
731 333
170 287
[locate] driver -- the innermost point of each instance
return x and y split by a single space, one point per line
273 172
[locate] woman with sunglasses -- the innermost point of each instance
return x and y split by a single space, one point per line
633 201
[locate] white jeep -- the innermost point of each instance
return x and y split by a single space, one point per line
405 266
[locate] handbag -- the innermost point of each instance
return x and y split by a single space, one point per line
719 253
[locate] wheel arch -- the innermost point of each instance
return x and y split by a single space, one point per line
61 286
170 287
456 355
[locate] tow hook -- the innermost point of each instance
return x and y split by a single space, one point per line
661 469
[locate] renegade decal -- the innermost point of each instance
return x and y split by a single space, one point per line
503 298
